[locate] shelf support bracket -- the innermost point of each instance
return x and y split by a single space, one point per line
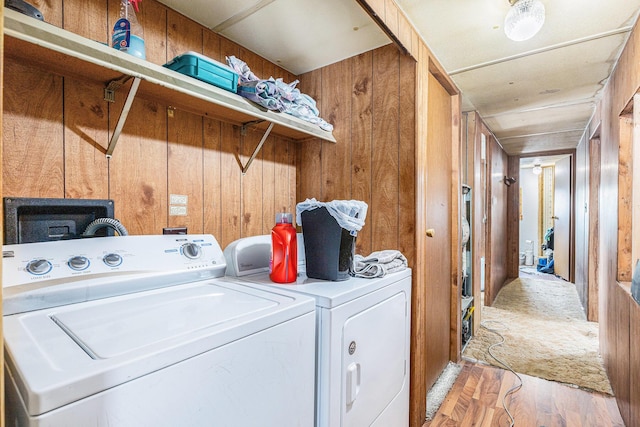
245 168
123 115
243 128
113 86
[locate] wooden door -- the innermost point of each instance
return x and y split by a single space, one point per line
562 218
438 245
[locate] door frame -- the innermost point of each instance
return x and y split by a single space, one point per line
513 222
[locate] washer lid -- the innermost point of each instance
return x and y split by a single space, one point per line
60 355
117 327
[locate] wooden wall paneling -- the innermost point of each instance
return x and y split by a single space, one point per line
231 171
385 14
309 170
440 74
139 188
255 62
378 7
32 123
419 327
211 46
86 113
272 194
183 35
287 148
185 174
499 203
309 165
405 34
228 48
336 158
391 16
621 86
625 198
273 191
213 188
86 138
88 19
594 230
497 207
362 141
212 178
251 182
623 382
231 177
184 135
252 185
416 44
407 160
634 361
607 332
513 220
385 148
51 10
615 351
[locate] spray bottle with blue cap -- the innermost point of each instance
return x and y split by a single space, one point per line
127 32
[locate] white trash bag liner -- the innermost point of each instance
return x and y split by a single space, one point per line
349 214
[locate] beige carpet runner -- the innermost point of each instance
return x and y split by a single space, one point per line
546 334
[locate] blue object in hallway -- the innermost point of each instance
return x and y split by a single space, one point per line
544 266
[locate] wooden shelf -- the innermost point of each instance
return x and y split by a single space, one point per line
69 54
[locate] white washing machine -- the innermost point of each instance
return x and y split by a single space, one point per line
142 331
363 337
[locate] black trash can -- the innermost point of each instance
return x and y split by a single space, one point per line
328 247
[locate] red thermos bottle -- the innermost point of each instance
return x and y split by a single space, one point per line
284 250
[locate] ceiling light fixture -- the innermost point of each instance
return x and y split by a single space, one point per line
524 20
537 169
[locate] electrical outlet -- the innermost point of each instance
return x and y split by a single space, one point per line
174 230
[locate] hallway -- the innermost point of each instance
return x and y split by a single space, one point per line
545 334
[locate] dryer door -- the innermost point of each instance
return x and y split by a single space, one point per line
375 362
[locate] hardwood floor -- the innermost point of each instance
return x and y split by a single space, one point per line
476 400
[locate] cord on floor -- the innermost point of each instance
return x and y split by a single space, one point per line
496 330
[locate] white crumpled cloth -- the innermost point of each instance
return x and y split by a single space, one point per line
349 214
379 263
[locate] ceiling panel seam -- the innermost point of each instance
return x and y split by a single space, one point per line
541 134
592 37
241 15
585 101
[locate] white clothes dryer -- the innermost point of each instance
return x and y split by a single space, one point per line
362 334
142 331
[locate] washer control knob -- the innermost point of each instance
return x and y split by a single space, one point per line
78 263
191 250
39 266
112 260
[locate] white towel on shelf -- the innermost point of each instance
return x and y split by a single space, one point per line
379 263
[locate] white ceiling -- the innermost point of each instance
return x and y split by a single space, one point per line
535 95
298 35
